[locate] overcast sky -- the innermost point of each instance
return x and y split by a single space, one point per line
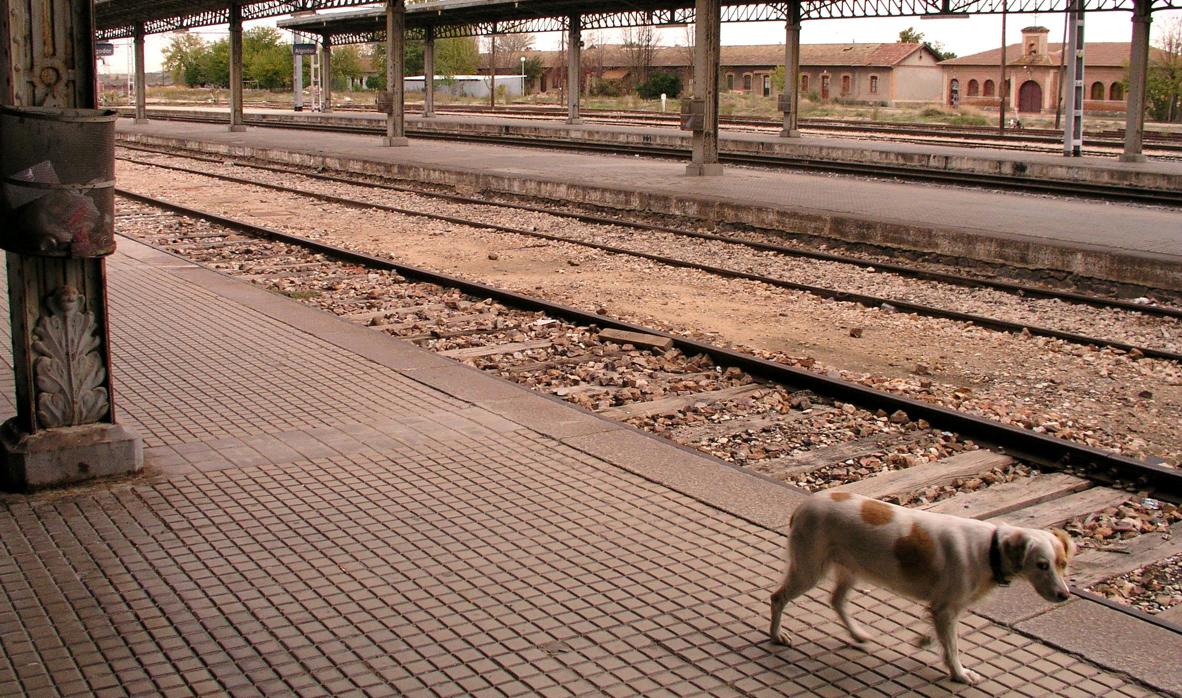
964 36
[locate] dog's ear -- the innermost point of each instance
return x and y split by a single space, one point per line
1064 538
1013 549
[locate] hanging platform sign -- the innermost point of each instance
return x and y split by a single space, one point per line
104 48
303 49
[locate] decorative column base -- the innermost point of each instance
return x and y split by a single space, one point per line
709 170
574 122
66 455
396 141
237 128
1132 157
793 133
141 122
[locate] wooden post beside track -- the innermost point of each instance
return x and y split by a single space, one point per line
326 74
429 74
574 68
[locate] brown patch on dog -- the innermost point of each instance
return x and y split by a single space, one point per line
916 553
876 513
1064 549
839 496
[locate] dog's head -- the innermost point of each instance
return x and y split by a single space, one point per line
1041 557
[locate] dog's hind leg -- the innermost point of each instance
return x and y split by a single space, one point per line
945 619
799 579
844 581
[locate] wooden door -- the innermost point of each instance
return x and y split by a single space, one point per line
1030 97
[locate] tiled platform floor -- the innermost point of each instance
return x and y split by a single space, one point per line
316 523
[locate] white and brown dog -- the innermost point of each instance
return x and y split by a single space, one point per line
947 562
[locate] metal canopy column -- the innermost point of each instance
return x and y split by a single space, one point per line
236 122
326 73
790 98
141 84
703 109
1074 58
63 431
574 68
395 45
1138 69
429 74
492 68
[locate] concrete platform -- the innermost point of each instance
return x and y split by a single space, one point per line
1123 243
330 511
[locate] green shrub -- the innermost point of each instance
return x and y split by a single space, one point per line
659 84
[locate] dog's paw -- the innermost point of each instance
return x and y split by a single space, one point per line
780 638
968 676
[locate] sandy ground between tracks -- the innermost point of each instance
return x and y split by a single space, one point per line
1099 397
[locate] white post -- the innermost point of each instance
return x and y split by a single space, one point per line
297 80
523 76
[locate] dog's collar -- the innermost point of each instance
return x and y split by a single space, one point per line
995 562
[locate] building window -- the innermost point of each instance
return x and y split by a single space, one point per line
954 92
804 83
1033 49
747 82
825 86
767 86
1097 90
730 82
988 92
1117 92
974 88
846 83
873 84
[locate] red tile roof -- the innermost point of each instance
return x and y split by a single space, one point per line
614 55
1101 54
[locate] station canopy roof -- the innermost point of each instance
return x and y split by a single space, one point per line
117 18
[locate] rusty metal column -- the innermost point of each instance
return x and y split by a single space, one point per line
326 74
1138 70
429 74
395 59
790 98
707 47
574 69
141 84
236 122
64 431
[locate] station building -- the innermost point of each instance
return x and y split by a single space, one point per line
869 73
1033 75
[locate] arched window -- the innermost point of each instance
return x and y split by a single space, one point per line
988 92
804 83
746 82
846 84
954 92
873 84
974 88
730 82
1097 90
1117 92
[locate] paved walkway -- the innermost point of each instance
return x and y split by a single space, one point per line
329 511
1118 242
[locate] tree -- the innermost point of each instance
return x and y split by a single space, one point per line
640 48
184 58
346 65
660 84
534 67
1163 80
910 36
266 58
452 57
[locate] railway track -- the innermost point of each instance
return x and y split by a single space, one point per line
797 426
751 270
1098 191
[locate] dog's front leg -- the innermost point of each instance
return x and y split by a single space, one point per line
945 619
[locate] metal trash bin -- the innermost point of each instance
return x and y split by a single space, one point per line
57 182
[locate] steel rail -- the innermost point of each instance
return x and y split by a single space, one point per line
974 180
1045 451
819 291
899 269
